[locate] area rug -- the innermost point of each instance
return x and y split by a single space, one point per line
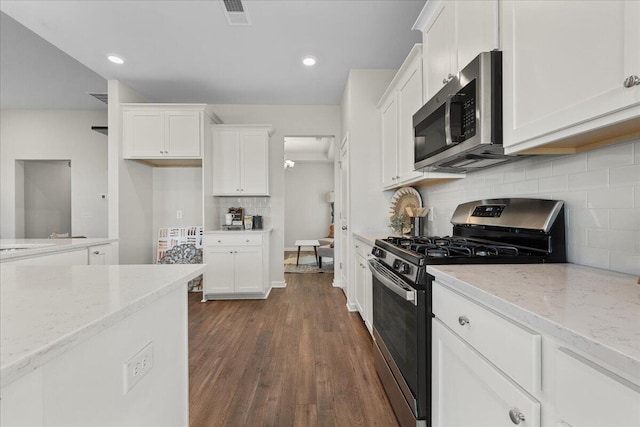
309 268
307 263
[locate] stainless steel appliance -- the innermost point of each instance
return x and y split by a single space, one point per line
497 231
460 128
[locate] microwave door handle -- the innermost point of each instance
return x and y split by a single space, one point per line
447 121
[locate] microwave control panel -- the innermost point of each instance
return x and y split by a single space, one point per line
463 113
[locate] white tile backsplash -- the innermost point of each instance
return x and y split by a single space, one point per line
610 157
592 179
251 205
600 188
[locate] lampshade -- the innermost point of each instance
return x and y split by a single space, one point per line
330 197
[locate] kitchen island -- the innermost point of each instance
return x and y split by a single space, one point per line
88 343
568 335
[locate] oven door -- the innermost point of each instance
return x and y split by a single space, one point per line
400 329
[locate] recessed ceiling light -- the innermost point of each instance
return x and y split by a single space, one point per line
309 61
115 59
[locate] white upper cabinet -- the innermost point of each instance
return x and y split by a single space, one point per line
241 160
453 33
163 131
565 64
397 106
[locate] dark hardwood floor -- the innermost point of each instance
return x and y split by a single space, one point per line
298 358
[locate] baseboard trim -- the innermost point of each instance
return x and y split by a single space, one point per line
279 284
336 283
351 306
210 297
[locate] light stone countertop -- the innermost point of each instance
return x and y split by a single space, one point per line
46 310
48 246
594 310
370 237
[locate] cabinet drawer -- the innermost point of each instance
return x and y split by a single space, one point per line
362 249
512 348
233 240
588 395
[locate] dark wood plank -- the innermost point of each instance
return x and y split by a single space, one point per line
297 359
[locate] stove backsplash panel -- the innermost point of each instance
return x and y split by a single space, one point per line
600 188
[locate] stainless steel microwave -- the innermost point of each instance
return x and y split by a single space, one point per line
460 128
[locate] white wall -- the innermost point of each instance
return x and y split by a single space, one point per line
368 204
307 215
289 120
54 135
176 189
130 188
47 198
600 188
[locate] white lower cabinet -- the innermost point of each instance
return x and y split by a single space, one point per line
102 255
588 395
469 391
75 257
237 265
363 283
489 370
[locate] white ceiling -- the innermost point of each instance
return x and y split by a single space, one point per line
185 51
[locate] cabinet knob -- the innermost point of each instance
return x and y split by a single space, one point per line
219 241
344 227
161 151
463 320
631 81
444 81
96 252
247 240
516 416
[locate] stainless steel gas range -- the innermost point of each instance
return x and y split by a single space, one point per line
497 231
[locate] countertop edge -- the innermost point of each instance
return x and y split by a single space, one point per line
58 245
611 356
17 369
261 231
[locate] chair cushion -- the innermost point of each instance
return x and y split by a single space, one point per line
325 251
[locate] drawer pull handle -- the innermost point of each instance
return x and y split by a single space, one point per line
516 416
247 240
631 81
97 253
463 320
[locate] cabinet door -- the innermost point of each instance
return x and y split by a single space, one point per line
101 255
226 162
183 130
248 269
439 49
254 159
144 133
409 101
588 395
468 391
389 113
476 29
569 73
359 284
219 276
368 299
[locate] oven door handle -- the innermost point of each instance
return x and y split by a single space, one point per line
384 276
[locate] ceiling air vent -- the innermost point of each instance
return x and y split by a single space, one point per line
100 97
236 13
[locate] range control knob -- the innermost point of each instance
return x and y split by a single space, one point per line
397 264
377 252
404 268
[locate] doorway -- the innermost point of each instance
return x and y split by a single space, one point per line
43 198
309 190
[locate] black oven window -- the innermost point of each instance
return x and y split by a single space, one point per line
395 320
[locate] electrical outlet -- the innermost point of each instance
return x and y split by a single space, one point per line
430 215
137 367
179 214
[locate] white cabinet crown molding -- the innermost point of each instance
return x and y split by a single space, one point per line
269 128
